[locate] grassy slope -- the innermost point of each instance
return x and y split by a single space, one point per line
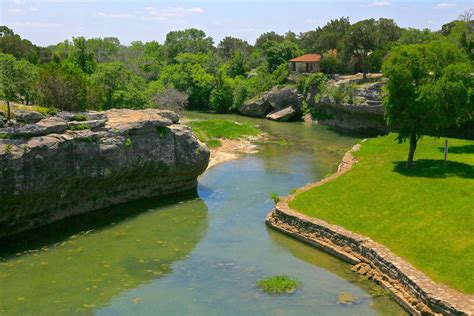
210 131
425 216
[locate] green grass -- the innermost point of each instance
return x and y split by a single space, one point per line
210 131
79 117
278 284
79 127
424 215
41 109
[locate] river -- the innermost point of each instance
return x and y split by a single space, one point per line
193 255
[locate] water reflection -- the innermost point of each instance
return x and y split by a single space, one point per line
82 272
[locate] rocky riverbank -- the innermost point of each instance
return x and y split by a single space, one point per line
410 287
55 167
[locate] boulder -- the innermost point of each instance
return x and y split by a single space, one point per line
170 115
257 107
59 173
284 115
28 117
281 98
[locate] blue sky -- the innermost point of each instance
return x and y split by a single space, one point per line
48 22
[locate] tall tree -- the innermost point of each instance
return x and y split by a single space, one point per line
188 41
63 86
430 88
229 45
8 80
261 41
103 49
325 38
27 79
82 56
119 87
279 53
361 39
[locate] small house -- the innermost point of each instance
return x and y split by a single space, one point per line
305 64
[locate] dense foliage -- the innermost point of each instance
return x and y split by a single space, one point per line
430 88
189 71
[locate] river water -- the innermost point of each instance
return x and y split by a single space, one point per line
193 255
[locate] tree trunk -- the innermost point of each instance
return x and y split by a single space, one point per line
411 152
9 111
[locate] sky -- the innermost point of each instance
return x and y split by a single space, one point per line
47 22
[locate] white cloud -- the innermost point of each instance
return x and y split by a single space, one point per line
171 13
446 5
35 24
197 10
114 15
381 3
16 11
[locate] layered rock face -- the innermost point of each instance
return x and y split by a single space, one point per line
59 167
364 113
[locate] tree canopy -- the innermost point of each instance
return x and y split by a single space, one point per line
430 88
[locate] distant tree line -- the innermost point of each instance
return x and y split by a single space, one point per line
189 71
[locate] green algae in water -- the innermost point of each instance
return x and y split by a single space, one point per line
346 298
84 271
279 284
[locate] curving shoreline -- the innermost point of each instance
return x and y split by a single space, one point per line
410 287
230 150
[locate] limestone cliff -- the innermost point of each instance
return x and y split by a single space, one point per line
59 167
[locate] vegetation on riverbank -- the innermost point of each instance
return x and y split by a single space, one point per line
424 214
188 70
278 284
211 131
41 109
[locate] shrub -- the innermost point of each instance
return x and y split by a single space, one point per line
278 284
170 99
306 83
128 143
79 117
79 127
63 86
275 197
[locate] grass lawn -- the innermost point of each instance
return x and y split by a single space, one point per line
210 131
424 215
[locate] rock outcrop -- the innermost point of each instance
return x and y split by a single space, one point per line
57 168
281 104
359 110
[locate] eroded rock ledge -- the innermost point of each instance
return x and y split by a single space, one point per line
410 287
59 167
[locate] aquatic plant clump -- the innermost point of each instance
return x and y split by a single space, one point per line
279 284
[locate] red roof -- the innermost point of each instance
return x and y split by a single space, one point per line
309 58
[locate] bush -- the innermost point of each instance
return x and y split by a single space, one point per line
63 86
280 74
278 284
79 127
240 93
222 96
79 117
275 197
170 99
306 83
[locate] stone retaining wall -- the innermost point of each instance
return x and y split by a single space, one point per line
410 287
